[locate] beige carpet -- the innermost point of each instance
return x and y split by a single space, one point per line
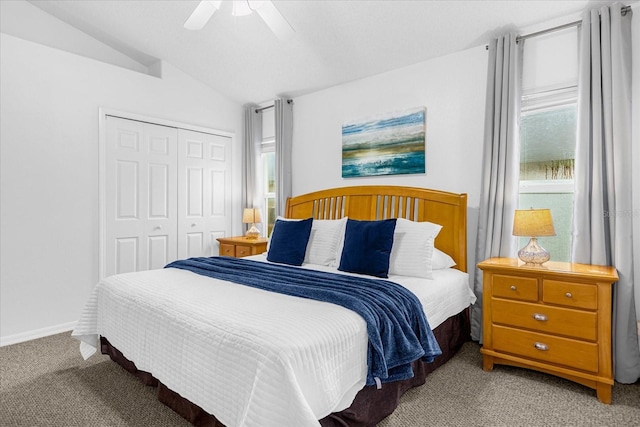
45 382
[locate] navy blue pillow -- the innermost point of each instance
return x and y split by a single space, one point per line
367 247
289 241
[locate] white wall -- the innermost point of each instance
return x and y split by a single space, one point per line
49 171
452 88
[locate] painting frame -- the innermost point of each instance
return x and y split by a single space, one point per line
392 143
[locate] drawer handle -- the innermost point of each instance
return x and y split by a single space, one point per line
513 287
540 317
540 346
568 295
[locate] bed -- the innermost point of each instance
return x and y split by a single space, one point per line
227 355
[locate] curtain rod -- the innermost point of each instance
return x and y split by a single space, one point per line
264 108
258 110
623 11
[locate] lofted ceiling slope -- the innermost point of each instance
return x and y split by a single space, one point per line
334 42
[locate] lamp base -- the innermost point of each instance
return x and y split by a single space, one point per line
253 233
533 253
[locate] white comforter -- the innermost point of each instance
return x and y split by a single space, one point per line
248 356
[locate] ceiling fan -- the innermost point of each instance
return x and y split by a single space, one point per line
265 8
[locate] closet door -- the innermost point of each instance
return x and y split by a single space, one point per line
140 189
204 192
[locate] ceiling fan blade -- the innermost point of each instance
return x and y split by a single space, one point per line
201 14
273 18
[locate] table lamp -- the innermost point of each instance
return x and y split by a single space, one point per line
252 216
533 223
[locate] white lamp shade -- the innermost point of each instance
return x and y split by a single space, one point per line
251 216
533 223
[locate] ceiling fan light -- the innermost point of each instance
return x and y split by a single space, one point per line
256 4
241 8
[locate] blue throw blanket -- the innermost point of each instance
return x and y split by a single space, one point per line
396 324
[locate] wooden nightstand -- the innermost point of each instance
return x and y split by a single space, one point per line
555 318
239 247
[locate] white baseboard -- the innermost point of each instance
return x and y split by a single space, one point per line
37 333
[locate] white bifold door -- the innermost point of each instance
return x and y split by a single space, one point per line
167 194
204 192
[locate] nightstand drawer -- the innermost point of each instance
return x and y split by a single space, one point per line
227 250
240 246
514 287
242 251
570 294
546 319
562 351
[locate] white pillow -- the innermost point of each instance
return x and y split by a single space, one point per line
441 260
325 237
412 248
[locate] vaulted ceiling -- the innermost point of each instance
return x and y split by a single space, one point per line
335 41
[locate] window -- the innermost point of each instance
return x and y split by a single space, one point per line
268 170
548 133
268 158
547 138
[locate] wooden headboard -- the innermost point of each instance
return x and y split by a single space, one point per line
376 202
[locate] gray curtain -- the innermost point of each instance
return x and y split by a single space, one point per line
602 221
251 154
284 136
501 162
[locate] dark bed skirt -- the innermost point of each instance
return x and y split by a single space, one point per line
370 405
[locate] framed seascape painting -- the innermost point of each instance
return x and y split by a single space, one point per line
387 144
